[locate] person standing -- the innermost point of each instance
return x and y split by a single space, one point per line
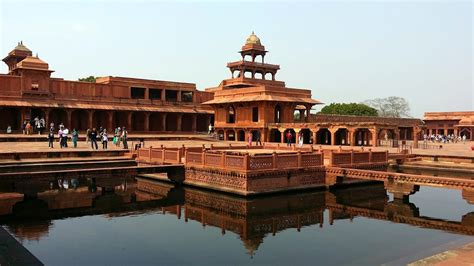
257 138
288 138
93 138
249 138
51 139
300 139
65 136
60 137
88 135
23 127
28 128
105 140
124 138
75 137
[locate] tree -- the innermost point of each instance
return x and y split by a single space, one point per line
88 79
392 106
349 109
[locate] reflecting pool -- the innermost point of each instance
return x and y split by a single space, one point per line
135 221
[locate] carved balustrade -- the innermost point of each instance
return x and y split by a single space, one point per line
354 158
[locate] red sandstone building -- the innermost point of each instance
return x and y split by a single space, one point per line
141 105
252 100
447 123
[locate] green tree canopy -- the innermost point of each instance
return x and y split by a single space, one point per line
349 109
392 106
88 79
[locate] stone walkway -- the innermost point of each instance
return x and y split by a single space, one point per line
462 256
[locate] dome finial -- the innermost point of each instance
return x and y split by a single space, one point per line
253 39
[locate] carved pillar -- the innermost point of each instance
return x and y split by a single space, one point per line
146 126
178 97
225 135
308 113
163 95
314 135
350 136
110 121
46 117
416 131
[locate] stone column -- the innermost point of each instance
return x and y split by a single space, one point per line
46 117
129 120
308 113
163 95
302 118
110 121
163 121
225 135
350 136
374 137
178 97
314 135
333 135
68 118
416 131
146 122
282 132
90 115
179 122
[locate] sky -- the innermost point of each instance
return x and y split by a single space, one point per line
344 51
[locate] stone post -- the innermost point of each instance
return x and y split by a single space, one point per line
90 114
374 137
110 121
282 136
194 125
333 135
163 121
179 122
163 95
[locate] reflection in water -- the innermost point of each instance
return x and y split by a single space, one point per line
28 209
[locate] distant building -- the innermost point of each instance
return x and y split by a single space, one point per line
28 91
457 123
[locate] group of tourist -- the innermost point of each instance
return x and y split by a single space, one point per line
439 138
251 136
92 135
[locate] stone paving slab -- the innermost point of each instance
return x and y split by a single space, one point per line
463 256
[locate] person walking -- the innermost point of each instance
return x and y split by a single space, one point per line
75 137
288 138
105 140
124 138
93 138
51 139
118 134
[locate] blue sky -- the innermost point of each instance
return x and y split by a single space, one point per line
343 51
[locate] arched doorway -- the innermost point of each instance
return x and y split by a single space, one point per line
241 135
465 132
36 112
275 135
255 133
362 137
171 122
323 136
58 116
100 119
306 135
10 117
230 134
187 122
79 119
156 122
341 137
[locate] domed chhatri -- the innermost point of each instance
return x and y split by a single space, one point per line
253 39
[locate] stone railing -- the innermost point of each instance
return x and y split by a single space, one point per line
352 158
244 162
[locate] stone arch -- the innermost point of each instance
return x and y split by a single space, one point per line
341 137
187 122
100 119
156 122
466 131
275 135
323 136
306 135
230 134
138 121
58 116
79 119
241 135
171 122
362 137
10 117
